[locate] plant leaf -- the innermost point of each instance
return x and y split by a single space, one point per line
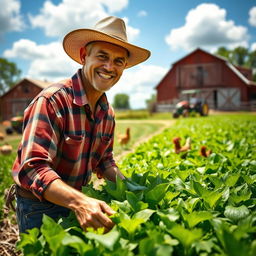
155 195
107 240
186 236
196 217
236 213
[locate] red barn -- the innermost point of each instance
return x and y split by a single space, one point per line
14 102
223 85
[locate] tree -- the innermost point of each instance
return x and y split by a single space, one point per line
9 75
151 104
121 101
252 59
240 56
223 51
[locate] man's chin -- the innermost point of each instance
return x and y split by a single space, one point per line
103 89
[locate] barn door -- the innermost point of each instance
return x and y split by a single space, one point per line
228 98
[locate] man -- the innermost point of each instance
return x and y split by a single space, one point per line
68 131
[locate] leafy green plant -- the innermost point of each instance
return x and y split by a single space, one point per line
172 204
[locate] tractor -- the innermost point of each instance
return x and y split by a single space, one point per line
16 123
192 106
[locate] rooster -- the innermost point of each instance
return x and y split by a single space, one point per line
123 139
178 148
204 152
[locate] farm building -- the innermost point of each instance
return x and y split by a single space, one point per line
14 102
204 75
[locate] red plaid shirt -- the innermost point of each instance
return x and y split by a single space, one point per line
62 139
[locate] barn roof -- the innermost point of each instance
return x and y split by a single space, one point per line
38 83
223 59
42 84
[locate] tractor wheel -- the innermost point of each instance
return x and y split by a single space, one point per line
185 113
205 109
9 130
175 115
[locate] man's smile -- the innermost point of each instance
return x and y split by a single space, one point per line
105 75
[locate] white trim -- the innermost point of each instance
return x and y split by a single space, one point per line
238 73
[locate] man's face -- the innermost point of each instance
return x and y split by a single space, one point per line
104 64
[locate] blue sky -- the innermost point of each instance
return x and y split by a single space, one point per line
31 34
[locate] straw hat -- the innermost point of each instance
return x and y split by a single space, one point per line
111 30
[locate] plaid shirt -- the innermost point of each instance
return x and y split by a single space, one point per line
62 139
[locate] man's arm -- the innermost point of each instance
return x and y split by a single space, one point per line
90 212
111 172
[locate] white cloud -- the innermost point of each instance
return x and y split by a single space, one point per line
10 17
57 20
50 62
253 46
46 61
138 83
142 13
206 26
252 16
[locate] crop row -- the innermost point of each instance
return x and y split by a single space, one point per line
172 204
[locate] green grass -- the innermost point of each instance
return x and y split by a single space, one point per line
141 114
6 163
138 131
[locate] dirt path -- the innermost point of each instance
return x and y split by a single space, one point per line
163 124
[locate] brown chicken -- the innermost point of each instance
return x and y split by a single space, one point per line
178 148
6 149
123 139
1 136
204 152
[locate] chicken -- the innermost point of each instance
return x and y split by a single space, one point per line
204 152
6 149
1 136
123 139
178 148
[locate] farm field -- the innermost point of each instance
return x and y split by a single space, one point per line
171 204
139 131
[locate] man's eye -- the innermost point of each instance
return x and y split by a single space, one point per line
102 57
120 62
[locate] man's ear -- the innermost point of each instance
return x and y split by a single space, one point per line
82 54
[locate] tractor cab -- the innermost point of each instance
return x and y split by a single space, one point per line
191 105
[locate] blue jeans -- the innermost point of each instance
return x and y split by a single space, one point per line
30 212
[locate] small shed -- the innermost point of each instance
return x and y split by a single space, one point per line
223 85
14 102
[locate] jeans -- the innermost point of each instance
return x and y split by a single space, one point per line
30 212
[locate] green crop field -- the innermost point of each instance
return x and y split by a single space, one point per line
139 131
171 204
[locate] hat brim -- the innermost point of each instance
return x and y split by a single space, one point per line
75 40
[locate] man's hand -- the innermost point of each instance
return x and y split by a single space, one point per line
89 211
94 213
111 173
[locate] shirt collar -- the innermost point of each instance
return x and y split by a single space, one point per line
80 97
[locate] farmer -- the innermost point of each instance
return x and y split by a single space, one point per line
69 130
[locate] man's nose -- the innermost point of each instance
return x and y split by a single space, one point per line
109 65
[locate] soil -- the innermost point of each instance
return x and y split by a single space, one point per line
9 234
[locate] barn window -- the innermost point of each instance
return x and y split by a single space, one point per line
200 76
25 88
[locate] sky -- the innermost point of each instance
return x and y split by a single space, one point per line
31 34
